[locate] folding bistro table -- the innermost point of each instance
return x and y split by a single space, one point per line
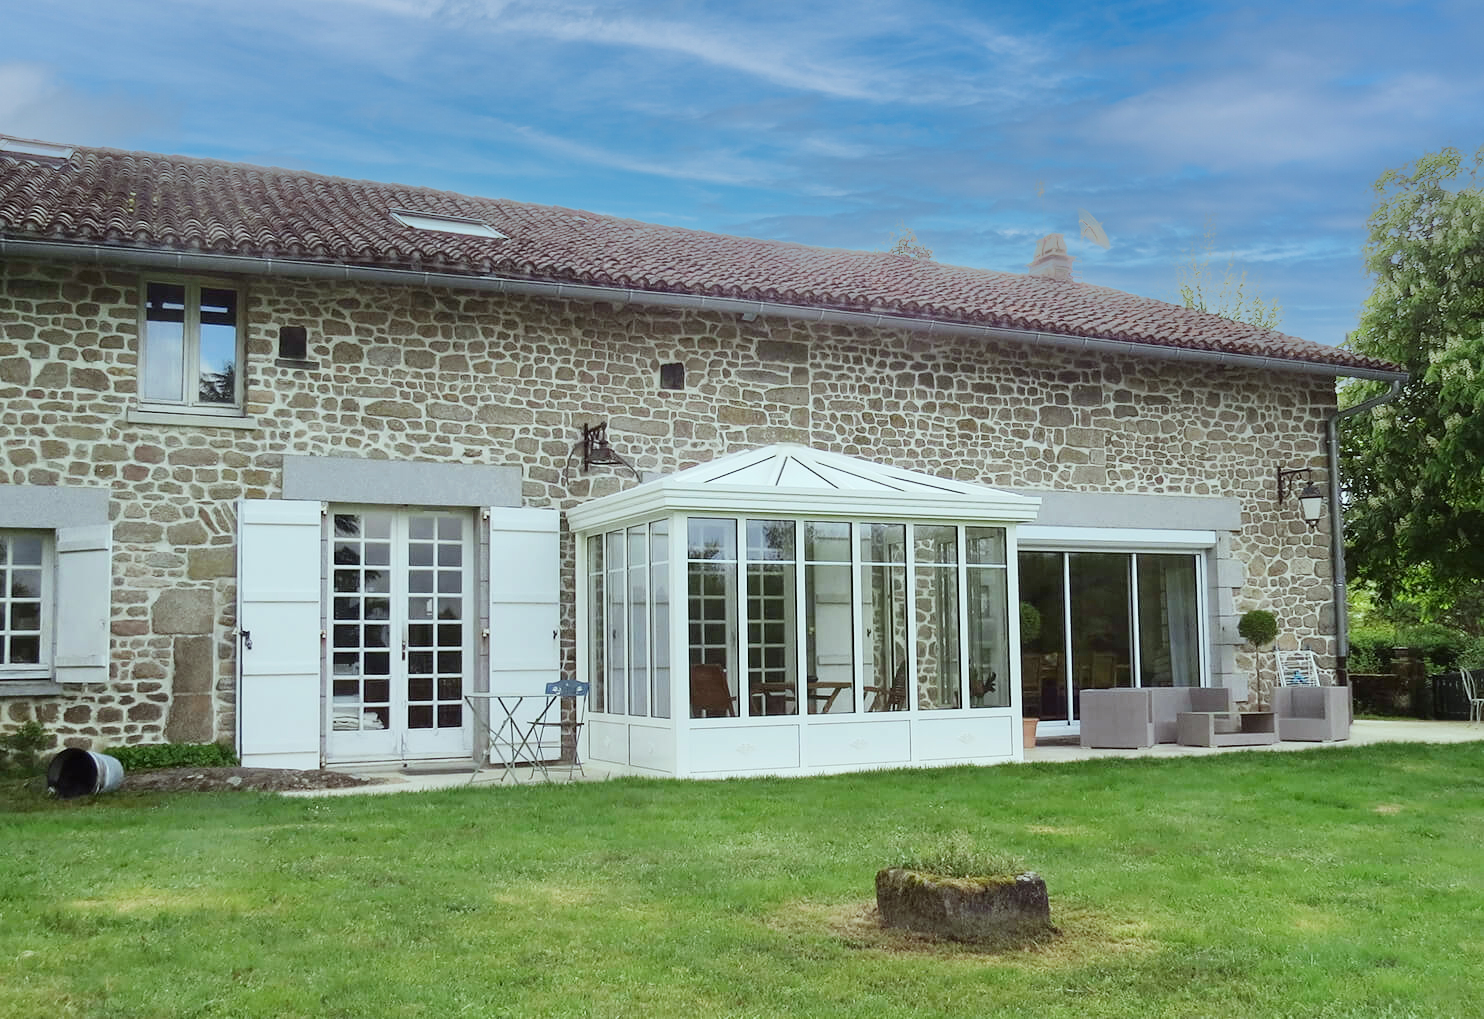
520 740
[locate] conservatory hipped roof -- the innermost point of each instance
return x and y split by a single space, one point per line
792 480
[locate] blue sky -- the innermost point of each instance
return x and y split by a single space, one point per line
980 126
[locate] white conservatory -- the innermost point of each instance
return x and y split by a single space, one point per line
838 615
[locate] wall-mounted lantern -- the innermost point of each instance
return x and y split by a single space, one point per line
596 452
1311 499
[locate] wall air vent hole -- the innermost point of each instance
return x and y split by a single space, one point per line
293 343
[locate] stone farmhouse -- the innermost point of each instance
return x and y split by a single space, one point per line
307 464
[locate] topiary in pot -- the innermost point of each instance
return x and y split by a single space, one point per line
1030 623
1257 628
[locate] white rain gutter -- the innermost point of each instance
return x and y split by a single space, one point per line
146 258
1337 519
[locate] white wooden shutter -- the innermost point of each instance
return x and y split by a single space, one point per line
525 610
278 615
84 603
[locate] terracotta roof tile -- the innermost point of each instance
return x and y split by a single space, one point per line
142 199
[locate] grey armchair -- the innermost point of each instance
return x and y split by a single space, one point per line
1318 714
1116 718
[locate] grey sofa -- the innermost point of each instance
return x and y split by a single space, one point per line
1128 718
1318 714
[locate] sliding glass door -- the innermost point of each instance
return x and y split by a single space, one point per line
1101 634
1043 637
1169 630
1099 620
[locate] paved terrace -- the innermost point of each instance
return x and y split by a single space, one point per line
1362 732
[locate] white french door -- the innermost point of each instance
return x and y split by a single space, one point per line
400 594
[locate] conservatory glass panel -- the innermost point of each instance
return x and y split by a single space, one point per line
772 675
985 545
829 629
711 595
616 619
598 645
827 541
709 538
935 550
883 543
638 546
659 606
989 637
883 550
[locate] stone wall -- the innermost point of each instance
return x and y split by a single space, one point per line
407 373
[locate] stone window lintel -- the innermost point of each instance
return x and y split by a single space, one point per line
29 688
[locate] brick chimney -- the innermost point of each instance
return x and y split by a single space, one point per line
1052 259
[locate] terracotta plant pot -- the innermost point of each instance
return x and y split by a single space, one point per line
1029 727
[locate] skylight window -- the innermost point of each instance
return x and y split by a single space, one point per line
22 147
446 224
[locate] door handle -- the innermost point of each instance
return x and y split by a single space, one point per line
246 639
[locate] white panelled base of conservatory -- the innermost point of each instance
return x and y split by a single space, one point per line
815 747
643 749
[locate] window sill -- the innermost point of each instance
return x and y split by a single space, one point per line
29 688
156 416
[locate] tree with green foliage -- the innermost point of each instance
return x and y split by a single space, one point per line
1226 295
1413 469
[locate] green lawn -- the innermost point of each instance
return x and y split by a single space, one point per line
1343 882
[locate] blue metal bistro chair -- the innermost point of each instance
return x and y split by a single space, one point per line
568 727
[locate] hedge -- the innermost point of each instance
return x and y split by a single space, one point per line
146 756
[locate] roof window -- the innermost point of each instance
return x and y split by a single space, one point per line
21 147
445 224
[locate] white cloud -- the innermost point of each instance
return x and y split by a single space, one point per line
835 148
23 87
713 167
851 51
760 56
34 103
1284 111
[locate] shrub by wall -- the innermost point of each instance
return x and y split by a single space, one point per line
147 756
1442 649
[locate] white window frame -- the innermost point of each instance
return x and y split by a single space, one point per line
42 669
191 347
